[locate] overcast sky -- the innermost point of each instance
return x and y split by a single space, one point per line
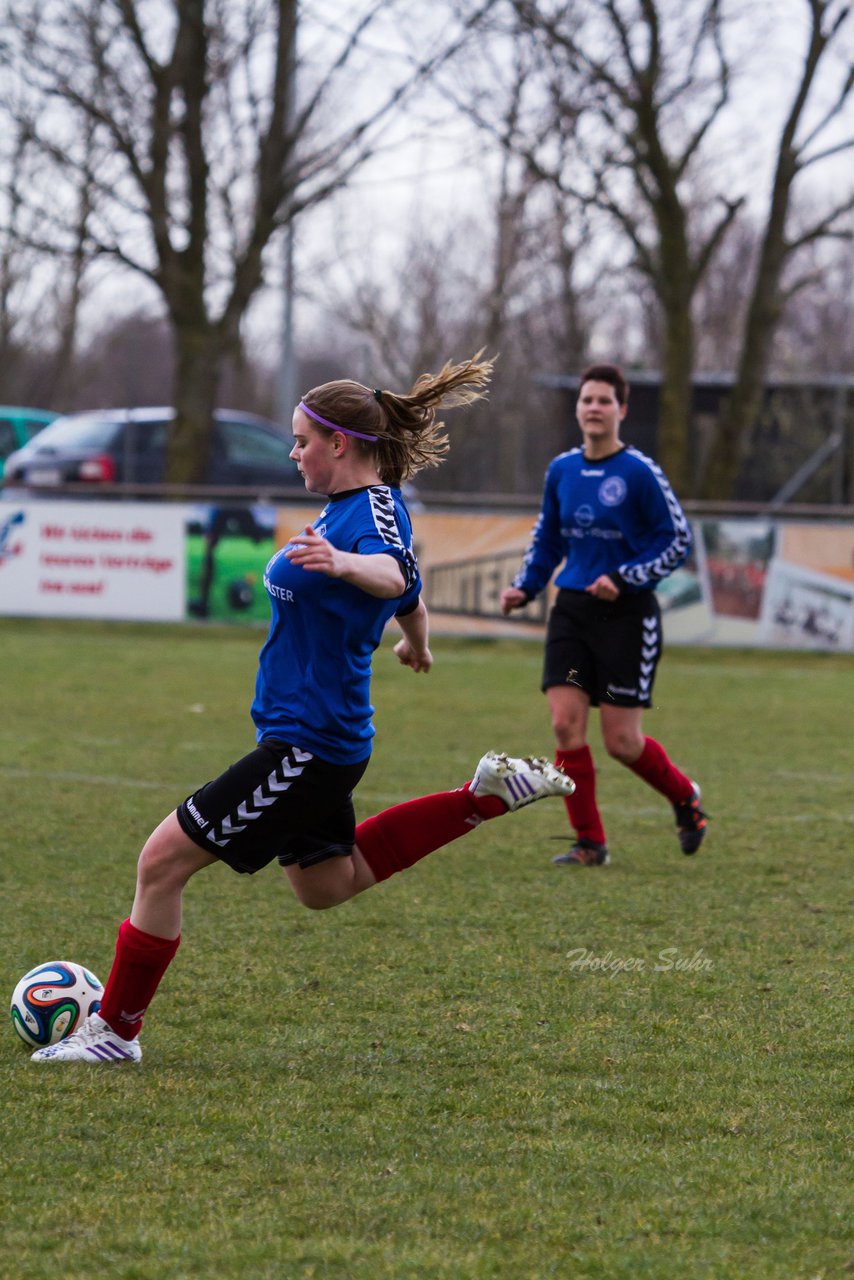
436 167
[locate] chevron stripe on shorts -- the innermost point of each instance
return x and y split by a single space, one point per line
265 794
649 655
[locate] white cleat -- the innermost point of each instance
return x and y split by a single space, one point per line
93 1041
519 781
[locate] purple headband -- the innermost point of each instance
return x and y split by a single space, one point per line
360 435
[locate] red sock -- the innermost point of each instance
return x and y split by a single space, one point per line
399 837
656 768
140 963
584 815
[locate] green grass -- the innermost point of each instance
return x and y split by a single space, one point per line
428 1083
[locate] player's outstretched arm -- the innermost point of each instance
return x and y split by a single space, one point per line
413 650
379 575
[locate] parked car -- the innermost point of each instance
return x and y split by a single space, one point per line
129 446
18 426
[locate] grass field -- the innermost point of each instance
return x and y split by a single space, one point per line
486 1067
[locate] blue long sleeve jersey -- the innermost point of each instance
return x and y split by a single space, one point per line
314 672
617 515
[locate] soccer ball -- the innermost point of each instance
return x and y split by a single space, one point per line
52 1000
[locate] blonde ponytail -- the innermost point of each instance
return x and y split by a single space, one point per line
404 434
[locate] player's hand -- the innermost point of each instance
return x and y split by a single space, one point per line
417 659
604 588
310 551
512 598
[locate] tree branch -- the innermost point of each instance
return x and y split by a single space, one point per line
824 228
824 155
703 258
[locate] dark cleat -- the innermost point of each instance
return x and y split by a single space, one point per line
584 853
691 822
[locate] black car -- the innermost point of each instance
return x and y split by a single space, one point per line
128 446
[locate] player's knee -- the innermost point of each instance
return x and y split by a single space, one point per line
625 747
316 897
569 734
324 884
160 864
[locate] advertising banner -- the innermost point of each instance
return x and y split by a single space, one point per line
760 581
802 609
92 560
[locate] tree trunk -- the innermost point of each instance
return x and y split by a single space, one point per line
734 434
675 407
735 430
199 358
741 408
674 285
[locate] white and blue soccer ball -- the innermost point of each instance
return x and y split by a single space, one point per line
52 1000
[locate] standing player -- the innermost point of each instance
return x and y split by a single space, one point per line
611 517
332 589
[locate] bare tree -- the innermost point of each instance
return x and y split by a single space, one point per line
641 84
40 298
201 149
479 279
802 145
815 332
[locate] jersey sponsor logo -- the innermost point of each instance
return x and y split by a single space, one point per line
278 593
584 516
613 491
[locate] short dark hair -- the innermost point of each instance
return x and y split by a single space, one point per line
611 373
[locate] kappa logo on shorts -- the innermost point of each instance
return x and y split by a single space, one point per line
280 780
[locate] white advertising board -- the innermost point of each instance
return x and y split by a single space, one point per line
802 609
92 560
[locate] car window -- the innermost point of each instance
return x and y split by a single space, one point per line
149 437
253 446
82 431
8 439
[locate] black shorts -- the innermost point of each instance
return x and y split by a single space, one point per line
608 649
277 802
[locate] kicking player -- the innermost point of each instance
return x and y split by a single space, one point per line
332 590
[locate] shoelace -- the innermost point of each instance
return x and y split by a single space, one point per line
86 1033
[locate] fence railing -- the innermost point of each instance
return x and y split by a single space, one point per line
428 500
